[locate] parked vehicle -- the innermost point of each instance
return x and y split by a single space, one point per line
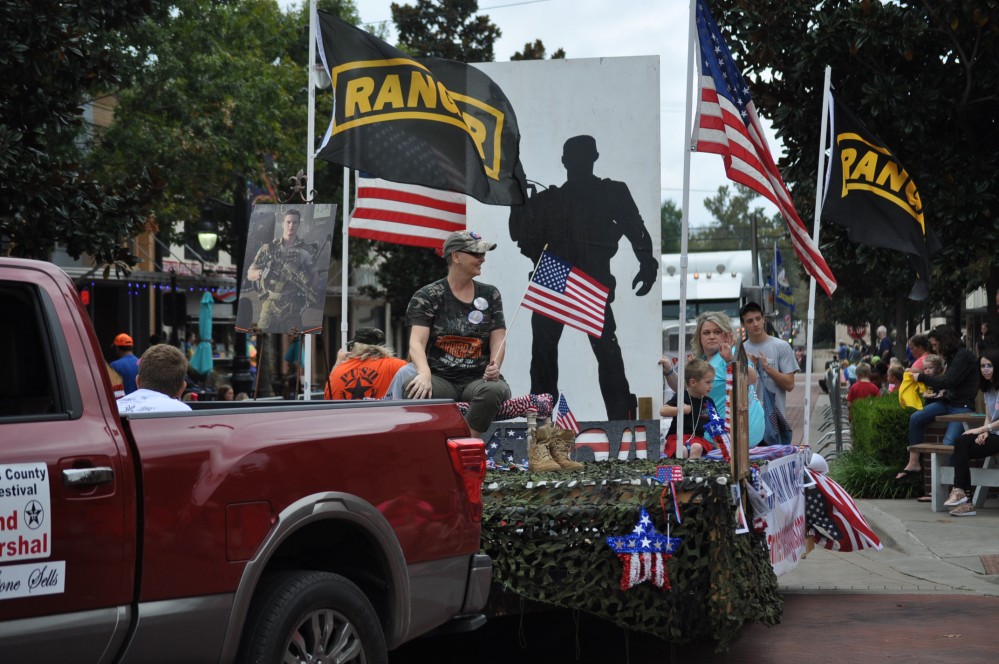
238 531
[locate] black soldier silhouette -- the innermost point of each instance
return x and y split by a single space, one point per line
583 222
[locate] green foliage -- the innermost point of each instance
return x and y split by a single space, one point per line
880 432
922 76
536 51
734 213
547 541
449 29
864 476
880 427
216 91
55 58
671 223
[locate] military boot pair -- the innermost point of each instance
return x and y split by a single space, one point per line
548 450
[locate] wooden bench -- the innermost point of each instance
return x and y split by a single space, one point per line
942 475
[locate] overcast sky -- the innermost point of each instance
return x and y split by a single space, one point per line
598 28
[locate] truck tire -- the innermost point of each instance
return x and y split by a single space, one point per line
312 617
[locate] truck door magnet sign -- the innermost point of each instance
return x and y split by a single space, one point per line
25 508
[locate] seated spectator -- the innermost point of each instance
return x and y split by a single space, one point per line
847 373
224 393
242 396
978 443
879 376
958 385
918 347
699 377
863 388
895 374
458 334
159 383
365 369
933 365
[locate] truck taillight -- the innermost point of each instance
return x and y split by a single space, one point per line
468 456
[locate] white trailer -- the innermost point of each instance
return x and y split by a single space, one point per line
716 281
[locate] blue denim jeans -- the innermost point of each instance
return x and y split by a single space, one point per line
919 420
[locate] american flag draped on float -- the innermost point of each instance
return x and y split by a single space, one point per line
856 532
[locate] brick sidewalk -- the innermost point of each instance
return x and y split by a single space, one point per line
796 405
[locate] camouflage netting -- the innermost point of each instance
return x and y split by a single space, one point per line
548 544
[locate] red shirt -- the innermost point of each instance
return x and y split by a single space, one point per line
861 390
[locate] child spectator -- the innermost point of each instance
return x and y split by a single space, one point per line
863 388
848 372
933 365
224 393
699 376
895 375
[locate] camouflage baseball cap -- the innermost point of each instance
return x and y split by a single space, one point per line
466 241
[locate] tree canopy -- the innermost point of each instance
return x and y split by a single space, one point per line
56 58
446 29
536 51
922 76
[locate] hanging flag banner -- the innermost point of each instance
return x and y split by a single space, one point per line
405 213
727 124
870 193
779 283
427 121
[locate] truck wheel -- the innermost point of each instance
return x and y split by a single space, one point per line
312 617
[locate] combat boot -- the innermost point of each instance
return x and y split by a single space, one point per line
539 459
560 446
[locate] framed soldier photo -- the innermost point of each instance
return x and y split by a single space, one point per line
287 260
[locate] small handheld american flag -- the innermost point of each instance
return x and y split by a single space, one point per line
564 419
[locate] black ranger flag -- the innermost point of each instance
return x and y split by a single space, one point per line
425 121
870 193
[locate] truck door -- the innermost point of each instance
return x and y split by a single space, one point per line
67 493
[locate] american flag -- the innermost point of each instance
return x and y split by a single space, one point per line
856 532
405 213
727 124
567 294
564 419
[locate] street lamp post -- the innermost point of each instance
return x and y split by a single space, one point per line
241 380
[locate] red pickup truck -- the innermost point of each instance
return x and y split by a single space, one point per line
249 531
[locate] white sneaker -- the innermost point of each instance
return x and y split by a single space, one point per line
966 509
957 497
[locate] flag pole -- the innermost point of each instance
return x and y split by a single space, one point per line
310 148
520 304
344 271
684 226
819 182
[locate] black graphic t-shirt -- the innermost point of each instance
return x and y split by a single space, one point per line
458 349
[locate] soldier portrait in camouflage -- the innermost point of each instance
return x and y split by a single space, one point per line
288 274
